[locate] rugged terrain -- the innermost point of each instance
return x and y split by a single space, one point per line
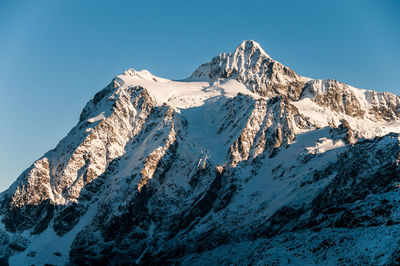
244 162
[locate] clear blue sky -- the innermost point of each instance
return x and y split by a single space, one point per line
54 55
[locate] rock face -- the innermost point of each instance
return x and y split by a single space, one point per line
245 163
336 96
271 124
250 65
356 103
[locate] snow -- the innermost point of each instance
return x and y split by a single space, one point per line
324 144
150 236
203 127
306 79
253 44
265 189
184 93
361 246
48 242
197 101
97 118
367 128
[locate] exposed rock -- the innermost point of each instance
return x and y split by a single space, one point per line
341 98
271 124
250 65
335 95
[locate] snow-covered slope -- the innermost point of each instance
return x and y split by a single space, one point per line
240 163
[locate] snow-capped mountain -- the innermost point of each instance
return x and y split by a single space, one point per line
245 162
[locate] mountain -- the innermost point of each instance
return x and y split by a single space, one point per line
244 162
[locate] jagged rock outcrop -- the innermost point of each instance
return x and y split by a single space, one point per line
384 105
271 124
341 98
250 65
334 95
72 168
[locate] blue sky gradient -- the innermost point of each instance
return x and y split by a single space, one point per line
54 55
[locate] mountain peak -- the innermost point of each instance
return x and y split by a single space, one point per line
143 74
250 46
252 66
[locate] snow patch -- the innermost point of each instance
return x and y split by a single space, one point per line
99 117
